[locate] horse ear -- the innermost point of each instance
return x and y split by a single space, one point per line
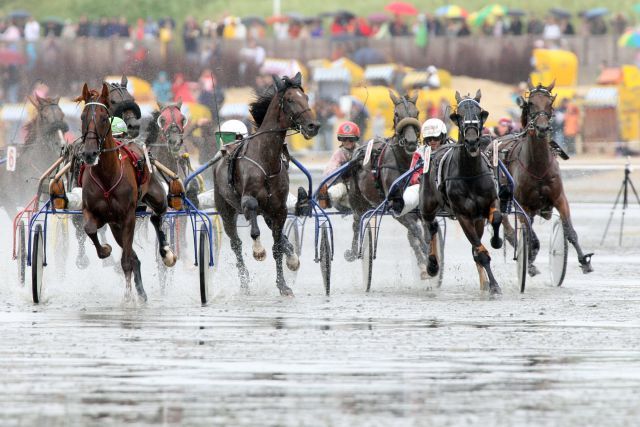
278 82
105 92
56 100
85 92
161 105
33 101
124 81
478 95
530 85
393 97
297 79
179 103
414 98
553 84
520 101
484 115
458 97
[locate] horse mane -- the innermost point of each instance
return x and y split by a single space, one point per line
153 131
258 108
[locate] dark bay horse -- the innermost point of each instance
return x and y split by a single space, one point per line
254 180
370 182
461 181
534 167
113 183
124 105
42 146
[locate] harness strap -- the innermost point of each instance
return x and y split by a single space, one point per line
107 193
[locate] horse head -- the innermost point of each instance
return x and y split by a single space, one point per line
538 109
469 117
171 123
96 122
124 105
405 121
49 114
295 112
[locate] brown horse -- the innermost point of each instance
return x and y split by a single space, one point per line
42 146
114 181
254 179
370 183
460 180
534 167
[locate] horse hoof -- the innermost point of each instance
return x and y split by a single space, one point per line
260 255
293 262
533 270
586 268
496 242
128 297
349 255
105 251
169 257
433 267
495 290
82 262
285 291
142 297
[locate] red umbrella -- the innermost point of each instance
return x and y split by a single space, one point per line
378 18
277 18
401 8
11 57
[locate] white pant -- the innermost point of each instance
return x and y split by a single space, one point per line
338 194
411 197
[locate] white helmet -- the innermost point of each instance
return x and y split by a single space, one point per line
433 128
235 126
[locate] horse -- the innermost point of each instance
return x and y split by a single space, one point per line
43 144
532 163
114 180
124 105
460 180
253 179
369 184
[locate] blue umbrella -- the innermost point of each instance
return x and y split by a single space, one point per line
19 14
596 12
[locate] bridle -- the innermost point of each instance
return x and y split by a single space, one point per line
470 120
101 138
170 126
533 118
292 116
404 122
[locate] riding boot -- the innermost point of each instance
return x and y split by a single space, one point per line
303 208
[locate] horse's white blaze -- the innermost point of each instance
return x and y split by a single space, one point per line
259 253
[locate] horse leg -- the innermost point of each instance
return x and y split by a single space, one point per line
473 230
155 198
495 219
433 263
562 205
533 252
249 206
82 261
124 234
229 216
293 262
352 253
278 250
417 241
509 231
91 226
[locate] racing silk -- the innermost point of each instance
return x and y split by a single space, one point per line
339 158
416 175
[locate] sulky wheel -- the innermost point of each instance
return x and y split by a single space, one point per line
21 252
367 257
37 264
558 250
440 242
522 255
325 259
203 266
292 232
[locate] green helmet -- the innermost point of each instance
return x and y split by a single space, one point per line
118 126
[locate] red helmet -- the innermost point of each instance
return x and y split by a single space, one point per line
348 131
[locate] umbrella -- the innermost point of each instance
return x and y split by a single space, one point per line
277 18
478 18
253 20
345 14
52 20
451 11
295 16
367 56
19 14
630 39
401 8
378 18
516 12
560 13
11 57
596 12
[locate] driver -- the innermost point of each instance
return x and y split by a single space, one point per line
349 135
434 134
118 128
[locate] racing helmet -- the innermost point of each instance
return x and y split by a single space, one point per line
348 131
118 126
235 126
433 128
